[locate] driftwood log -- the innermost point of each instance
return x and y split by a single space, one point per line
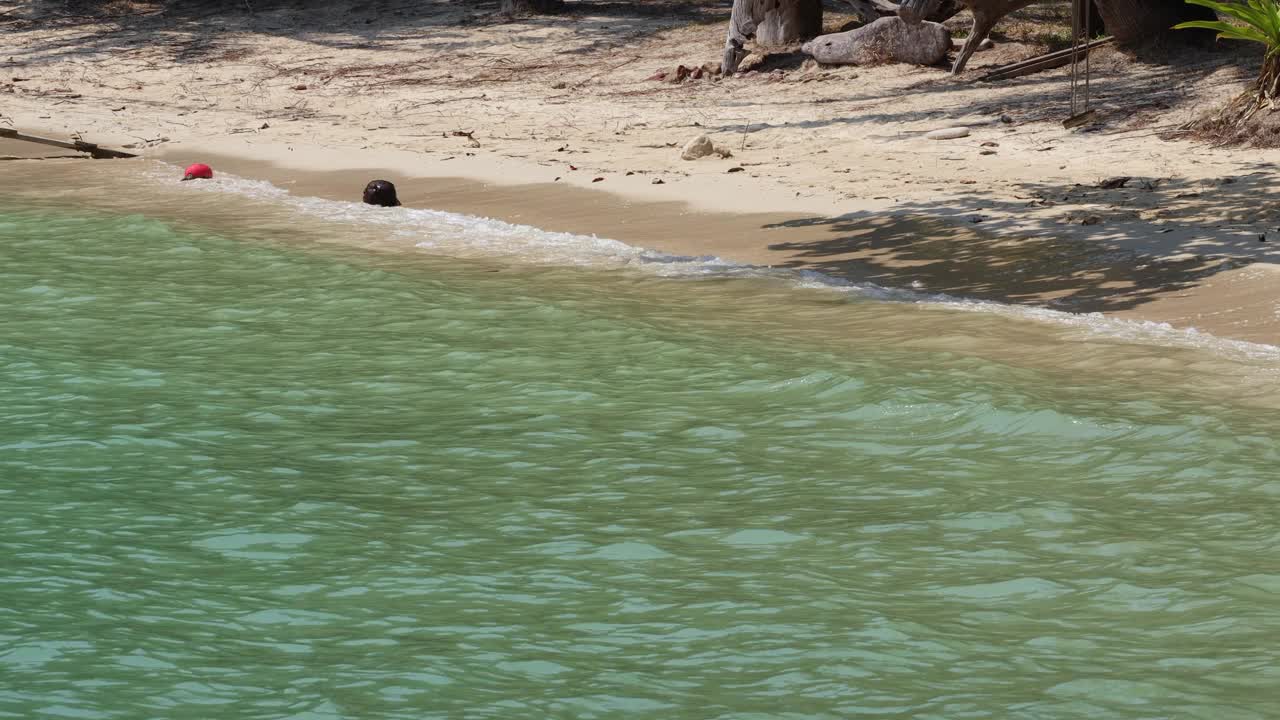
770 22
92 149
779 22
889 39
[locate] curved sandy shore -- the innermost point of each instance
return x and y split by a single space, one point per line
1225 296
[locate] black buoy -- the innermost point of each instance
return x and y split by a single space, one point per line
381 192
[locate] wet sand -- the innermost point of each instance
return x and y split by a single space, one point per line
1229 298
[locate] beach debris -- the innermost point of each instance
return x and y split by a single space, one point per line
734 170
573 167
468 134
987 152
1082 218
264 126
702 146
1006 119
771 23
630 173
889 39
752 61
1113 183
699 147
951 133
682 72
76 144
146 142
1262 237
658 181
599 179
299 87
1040 63
990 143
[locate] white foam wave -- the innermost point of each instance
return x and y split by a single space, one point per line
466 235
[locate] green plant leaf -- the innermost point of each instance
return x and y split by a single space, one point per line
1260 18
1225 31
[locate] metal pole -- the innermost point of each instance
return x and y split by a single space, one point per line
1075 54
1088 15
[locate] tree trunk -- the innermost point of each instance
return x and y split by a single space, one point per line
521 7
788 21
770 22
1142 22
1096 25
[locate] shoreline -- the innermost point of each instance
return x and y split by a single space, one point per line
516 120
1219 296
313 219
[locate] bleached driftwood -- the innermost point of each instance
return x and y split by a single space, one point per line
889 39
770 22
778 22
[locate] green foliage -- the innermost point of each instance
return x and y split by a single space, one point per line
1260 18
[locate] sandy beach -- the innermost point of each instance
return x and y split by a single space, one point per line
556 122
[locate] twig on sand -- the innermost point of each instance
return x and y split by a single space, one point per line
607 70
468 134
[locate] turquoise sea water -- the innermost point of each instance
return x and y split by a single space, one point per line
248 472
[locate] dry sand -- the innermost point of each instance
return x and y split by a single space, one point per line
835 173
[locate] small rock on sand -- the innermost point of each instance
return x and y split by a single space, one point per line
701 147
698 147
751 62
950 133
